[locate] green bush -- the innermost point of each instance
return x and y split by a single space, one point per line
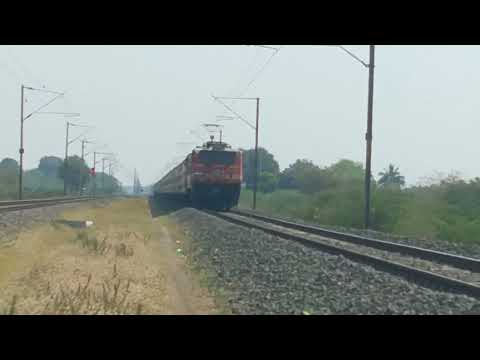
448 209
267 182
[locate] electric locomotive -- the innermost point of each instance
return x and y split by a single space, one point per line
209 177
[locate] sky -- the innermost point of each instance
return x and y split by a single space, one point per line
147 104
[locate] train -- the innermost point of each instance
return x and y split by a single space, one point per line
209 177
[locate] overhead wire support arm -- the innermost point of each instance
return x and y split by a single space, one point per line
266 47
353 55
81 135
57 113
234 112
43 106
44 90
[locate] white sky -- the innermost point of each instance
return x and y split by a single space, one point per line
144 100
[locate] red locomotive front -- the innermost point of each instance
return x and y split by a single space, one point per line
215 176
209 177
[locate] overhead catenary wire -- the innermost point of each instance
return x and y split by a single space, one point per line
246 72
81 135
233 111
250 83
262 69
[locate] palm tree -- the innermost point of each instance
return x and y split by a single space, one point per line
391 176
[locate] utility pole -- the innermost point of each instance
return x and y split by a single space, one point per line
95 153
20 175
65 174
134 181
255 178
103 175
255 173
94 173
83 148
371 68
84 141
22 120
369 135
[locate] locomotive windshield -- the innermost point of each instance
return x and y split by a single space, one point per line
216 157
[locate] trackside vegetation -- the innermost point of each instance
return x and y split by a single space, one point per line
47 179
444 207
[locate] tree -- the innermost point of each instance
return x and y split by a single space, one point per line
107 184
313 180
310 178
76 173
266 163
49 165
9 164
289 177
391 177
267 182
346 171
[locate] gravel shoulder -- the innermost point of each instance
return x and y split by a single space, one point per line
262 274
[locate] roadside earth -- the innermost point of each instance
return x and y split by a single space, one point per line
127 262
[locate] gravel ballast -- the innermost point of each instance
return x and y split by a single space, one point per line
432 266
263 274
468 249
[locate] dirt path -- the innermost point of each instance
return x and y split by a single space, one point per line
126 263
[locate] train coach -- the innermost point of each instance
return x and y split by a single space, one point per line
209 177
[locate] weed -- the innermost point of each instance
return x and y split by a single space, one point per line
83 300
123 250
10 310
92 243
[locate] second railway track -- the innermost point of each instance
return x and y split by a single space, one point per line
427 267
18 205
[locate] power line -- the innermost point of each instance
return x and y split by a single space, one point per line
257 75
233 111
247 70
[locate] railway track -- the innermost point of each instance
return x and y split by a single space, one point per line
434 269
17 205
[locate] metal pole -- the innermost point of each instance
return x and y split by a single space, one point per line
103 175
20 174
134 181
66 163
110 173
83 149
371 68
94 173
255 176
80 174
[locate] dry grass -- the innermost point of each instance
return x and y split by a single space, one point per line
124 264
10 310
111 300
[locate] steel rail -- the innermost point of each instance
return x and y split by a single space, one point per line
458 261
422 277
33 201
18 205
